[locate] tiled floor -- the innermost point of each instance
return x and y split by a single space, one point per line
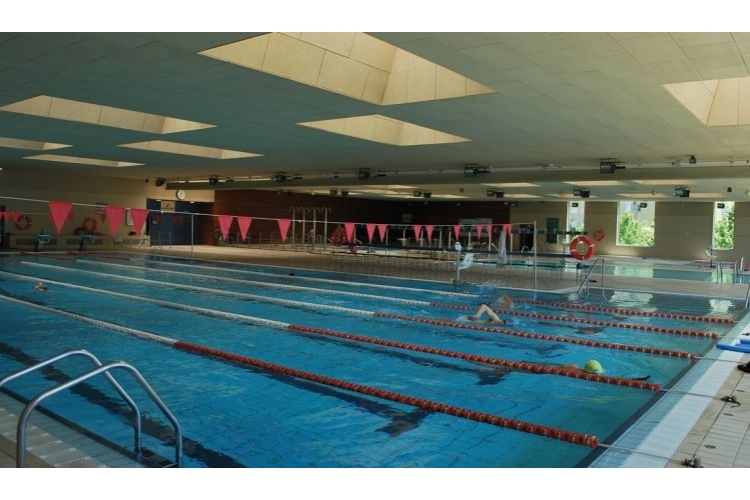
704 421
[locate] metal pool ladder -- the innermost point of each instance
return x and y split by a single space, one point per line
583 289
104 370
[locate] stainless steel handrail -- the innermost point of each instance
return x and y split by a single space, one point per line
101 369
585 279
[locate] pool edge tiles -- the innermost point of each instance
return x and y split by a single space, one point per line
656 437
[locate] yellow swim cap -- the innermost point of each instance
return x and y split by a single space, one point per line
593 366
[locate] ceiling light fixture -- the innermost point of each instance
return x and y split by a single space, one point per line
213 180
363 174
693 160
279 177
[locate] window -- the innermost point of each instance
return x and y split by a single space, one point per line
723 233
576 212
635 223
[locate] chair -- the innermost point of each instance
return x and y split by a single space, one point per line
467 261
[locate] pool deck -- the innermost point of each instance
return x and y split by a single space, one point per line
704 421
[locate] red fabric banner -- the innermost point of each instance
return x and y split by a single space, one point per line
244 223
429 228
479 230
417 231
370 231
284 227
381 230
59 211
114 216
349 228
225 222
139 218
457 230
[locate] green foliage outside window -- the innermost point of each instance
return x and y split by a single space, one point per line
724 231
634 232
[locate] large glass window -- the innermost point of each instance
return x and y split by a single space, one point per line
576 212
723 233
635 223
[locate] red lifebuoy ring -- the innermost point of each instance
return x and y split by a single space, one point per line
338 237
599 235
574 248
89 224
23 222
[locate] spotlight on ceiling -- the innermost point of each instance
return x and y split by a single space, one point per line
159 181
693 160
682 192
729 189
344 192
213 180
583 193
490 193
279 177
471 170
417 193
499 194
334 192
427 194
363 174
609 165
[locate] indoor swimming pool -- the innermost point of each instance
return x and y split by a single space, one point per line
278 367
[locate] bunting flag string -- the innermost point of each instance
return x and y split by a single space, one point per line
244 223
370 231
382 231
225 222
429 228
114 216
284 228
139 216
479 231
59 212
350 235
417 231
457 230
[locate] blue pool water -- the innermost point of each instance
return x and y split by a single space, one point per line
235 414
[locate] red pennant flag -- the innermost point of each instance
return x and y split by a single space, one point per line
349 228
225 222
429 228
507 228
59 211
114 215
139 218
457 230
479 230
489 231
244 223
370 231
417 231
381 231
284 227
5 215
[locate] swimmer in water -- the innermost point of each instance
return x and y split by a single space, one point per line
40 287
492 317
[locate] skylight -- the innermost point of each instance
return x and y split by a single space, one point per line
189 150
715 103
7 142
106 116
353 64
82 161
385 130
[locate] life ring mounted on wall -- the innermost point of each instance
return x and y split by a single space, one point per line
89 224
23 222
599 235
338 237
574 248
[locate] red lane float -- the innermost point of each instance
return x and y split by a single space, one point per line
516 365
569 319
630 312
478 416
571 340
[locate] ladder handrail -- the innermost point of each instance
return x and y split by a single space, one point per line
96 362
100 369
585 279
